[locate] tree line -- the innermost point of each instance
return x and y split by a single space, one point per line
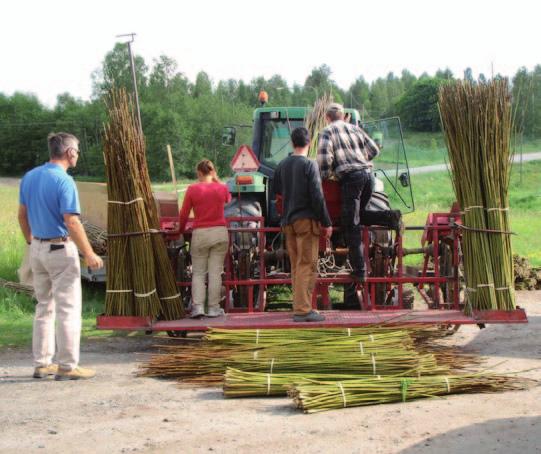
190 115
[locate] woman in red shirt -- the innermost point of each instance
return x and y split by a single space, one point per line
210 240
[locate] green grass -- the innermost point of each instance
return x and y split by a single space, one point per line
433 192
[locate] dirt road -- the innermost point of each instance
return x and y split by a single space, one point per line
118 413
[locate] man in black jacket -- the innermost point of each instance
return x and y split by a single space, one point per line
297 180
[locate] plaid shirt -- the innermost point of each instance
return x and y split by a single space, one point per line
343 148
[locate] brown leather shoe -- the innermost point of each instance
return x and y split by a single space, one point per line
79 373
42 372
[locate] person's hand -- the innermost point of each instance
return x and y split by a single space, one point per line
94 261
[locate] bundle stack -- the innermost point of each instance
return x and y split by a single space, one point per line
526 276
386 352
476 119
97 237
316 396
315 121
138 279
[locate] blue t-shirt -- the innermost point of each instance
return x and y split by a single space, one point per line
48 193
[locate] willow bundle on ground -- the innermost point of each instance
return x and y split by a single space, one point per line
315 121
208 366
133 288
238 383
312 396
476 120
17 287
97 237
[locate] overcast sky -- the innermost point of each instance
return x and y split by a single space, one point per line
48 47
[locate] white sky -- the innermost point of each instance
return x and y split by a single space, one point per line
49 47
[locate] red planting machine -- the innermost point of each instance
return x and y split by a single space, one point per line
256 281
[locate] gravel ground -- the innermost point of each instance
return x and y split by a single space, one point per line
118 412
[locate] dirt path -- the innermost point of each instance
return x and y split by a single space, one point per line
117 412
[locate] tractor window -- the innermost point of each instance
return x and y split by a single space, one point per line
276 143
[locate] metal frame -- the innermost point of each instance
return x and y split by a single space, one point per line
438 226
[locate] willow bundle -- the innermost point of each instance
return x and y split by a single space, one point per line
315 396
17 287
315 121
97 237
477 123
131 286
255 338
171 307
238 383
208 366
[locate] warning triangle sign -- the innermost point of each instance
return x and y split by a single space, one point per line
244 160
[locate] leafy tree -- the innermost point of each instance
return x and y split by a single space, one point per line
418 106
116 71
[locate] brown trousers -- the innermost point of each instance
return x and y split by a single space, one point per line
302 238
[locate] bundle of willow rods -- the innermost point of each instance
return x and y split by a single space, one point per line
17 287
97 237
238 383
256 338
207 360
135 258
315 396
477 123
171 307
391 352
315 122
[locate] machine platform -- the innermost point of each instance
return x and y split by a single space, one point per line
334 319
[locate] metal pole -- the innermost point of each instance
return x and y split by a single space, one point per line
134 78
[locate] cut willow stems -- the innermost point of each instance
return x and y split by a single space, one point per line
313 397
315 122
476 119
305 351
140 280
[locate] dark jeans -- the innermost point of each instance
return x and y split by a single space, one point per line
356 188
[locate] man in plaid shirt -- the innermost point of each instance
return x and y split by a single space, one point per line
345 152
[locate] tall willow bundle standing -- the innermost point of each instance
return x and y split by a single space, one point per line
476 120
315 121
131 271
315 396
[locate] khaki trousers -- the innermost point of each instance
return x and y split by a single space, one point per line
302 238
57 285
208 249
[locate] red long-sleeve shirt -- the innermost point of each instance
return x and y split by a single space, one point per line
207 201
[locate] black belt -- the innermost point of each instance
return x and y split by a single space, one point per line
57 239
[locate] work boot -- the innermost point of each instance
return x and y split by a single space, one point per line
44 371
197 311
79 373
312 316
215 312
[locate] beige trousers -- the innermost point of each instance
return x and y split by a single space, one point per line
57 285
208 248
302 239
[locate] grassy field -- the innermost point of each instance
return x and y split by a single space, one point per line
429 148
432 192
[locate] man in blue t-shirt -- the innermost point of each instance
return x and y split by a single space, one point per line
49 219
